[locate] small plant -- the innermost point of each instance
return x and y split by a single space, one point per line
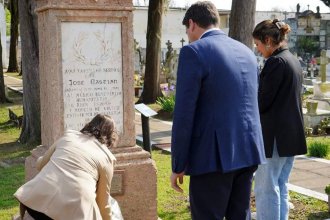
168 89
138 81
325 125
318 149
166 103
327 189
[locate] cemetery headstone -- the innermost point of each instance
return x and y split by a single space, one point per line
86 67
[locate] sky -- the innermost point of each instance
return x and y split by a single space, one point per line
267 5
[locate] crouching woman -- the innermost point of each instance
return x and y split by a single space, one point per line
75 175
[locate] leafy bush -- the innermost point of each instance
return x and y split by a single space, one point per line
166 103
318 149
327 189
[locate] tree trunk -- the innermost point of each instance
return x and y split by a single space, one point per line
2 81
242 20
31 127
151 88
13 65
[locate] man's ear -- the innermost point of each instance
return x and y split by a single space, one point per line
191 24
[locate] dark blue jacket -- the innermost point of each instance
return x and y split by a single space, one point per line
216 125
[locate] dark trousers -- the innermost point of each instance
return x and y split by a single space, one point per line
37 215
214 196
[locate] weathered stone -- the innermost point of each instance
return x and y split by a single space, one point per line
86 67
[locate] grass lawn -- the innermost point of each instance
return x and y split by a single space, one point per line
173 205
12 157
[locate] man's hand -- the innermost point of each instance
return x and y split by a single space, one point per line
174 181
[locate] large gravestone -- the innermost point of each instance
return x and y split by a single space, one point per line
86 67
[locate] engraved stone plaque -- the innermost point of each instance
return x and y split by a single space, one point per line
92 72
117 183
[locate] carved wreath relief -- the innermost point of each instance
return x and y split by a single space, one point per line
92 72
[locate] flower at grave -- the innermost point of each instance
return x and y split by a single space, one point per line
168 90
137 80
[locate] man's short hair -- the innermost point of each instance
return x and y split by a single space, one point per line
203 13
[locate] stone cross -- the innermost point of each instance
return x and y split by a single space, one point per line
182 41
169 44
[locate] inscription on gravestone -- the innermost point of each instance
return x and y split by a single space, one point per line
92 72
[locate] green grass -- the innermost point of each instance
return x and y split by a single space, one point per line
9 132
12 156
308 208
10 179
171 204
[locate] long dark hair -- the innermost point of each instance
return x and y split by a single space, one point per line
102 127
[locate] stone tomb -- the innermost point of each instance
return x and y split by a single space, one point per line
86 67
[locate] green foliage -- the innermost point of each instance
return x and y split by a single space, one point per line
327 189
323 128
320 139
325 125
318 149
166 103
8 18
307 45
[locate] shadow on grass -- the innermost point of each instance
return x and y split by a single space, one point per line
7 125
14 153
11 147
319 216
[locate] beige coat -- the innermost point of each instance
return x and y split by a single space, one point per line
74 181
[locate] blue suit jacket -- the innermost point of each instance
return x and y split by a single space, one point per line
216 124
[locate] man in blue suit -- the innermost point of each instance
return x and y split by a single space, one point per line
216 135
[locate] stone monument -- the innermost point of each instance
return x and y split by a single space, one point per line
322 87
86 67
318 107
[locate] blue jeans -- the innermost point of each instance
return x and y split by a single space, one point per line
271 189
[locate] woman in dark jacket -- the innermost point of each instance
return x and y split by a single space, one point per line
279 99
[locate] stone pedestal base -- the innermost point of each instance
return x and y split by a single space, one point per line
322 90
138 200
134 184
